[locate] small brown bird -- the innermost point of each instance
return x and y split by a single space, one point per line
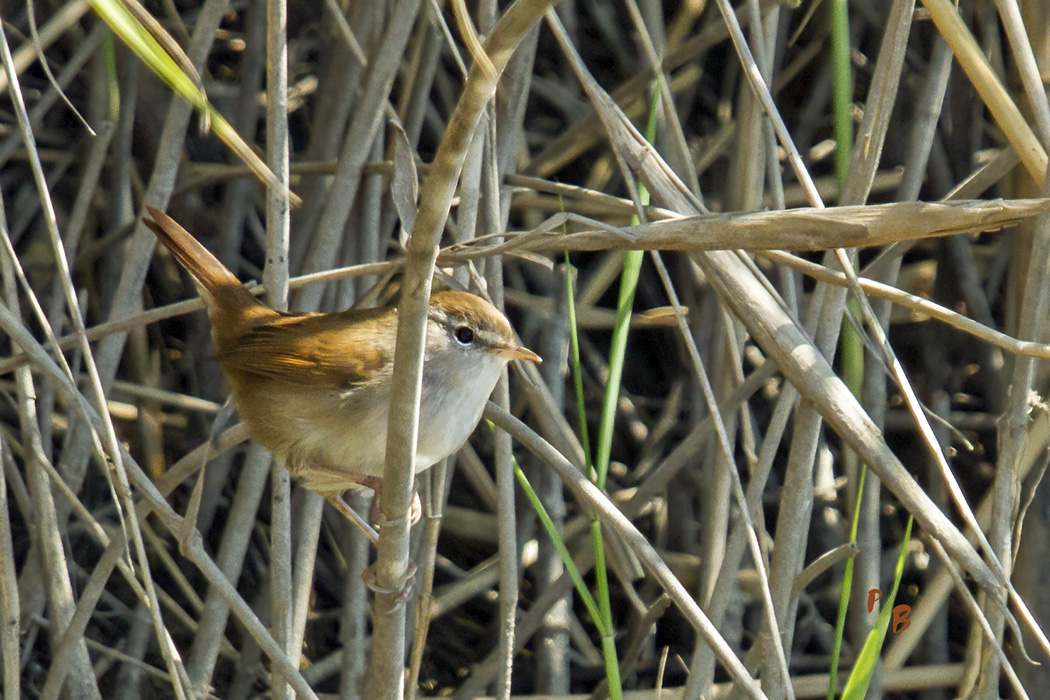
315 388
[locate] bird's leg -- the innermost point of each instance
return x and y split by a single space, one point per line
369 575
321 477
353 516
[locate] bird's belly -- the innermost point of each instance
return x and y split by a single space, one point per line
329 437
346 433
314 429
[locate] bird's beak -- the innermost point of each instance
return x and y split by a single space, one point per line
517 352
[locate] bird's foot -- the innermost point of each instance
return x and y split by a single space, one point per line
402 593
375 515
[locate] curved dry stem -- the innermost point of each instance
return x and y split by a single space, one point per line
435 201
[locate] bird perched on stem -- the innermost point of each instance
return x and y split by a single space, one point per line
314 388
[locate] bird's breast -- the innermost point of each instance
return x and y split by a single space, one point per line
452 406
347 429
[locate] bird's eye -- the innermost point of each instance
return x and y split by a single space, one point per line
464 335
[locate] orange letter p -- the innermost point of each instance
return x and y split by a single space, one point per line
873 595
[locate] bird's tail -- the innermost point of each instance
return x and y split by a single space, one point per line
232 308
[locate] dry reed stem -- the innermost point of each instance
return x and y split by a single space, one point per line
435 200
795 229
990 88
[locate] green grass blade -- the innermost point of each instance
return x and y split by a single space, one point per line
577 374
847 587
559 547
632 265
843 88
144 43
852 349
853 375
860 676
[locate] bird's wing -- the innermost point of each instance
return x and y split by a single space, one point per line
339 350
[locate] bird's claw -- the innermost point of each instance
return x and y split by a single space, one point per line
414 515
403 593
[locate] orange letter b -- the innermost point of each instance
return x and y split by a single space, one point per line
900 617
